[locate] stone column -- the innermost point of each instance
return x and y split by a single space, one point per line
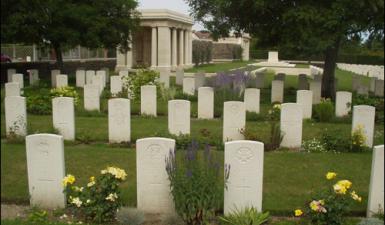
164 47
181 47
186 51
174 50
190 49
154 47
129 58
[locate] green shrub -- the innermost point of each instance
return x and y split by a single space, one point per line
39 103
66 91
252 116
133 82
324 111
358 139
100 199
335 141
195 184
246 216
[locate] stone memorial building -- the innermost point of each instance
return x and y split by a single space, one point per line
164 41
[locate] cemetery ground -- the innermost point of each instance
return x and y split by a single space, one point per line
289 179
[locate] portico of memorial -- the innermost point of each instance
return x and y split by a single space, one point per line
164 41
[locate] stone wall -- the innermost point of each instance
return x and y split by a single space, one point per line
45 68
224 51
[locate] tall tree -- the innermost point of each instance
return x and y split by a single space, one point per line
63 24
309 26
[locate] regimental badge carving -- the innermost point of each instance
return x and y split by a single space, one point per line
244 155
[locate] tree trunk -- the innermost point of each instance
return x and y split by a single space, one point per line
58 53
328 78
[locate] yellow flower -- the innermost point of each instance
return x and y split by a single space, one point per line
355 196
90 184
118 173
298 212
69 179
330 175
92 179
339 189
314 205
347 184
322 202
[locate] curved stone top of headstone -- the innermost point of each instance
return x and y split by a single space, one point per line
52 136
118 100
365 107
148 86
304 91
63 98
233 103
251 89
205 88
237 142
154 139
291 109
344 92
179 101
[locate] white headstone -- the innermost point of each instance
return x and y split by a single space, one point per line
63 115
46 170
148 103
80 78
97 80
251 99
116 85
315 87
153 185
12 89
273 57
189 85
343 103
291 125
277 87
107 71
119 120
123 73
164 77
54 73
19 78
376 187
89 75
179 117
305 98
61 80
10 72
200 78
33 76
364 115
179 75
379 88
91 97
205 103
259 80
245 182
234 120
102 75
15 115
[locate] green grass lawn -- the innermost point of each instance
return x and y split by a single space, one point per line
289 178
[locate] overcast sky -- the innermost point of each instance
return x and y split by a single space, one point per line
175 5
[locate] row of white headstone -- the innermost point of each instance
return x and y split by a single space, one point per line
375 86
179 113
366 70
46 169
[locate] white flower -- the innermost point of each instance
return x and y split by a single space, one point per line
88 201
112 197
76 201
90 184
63 216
